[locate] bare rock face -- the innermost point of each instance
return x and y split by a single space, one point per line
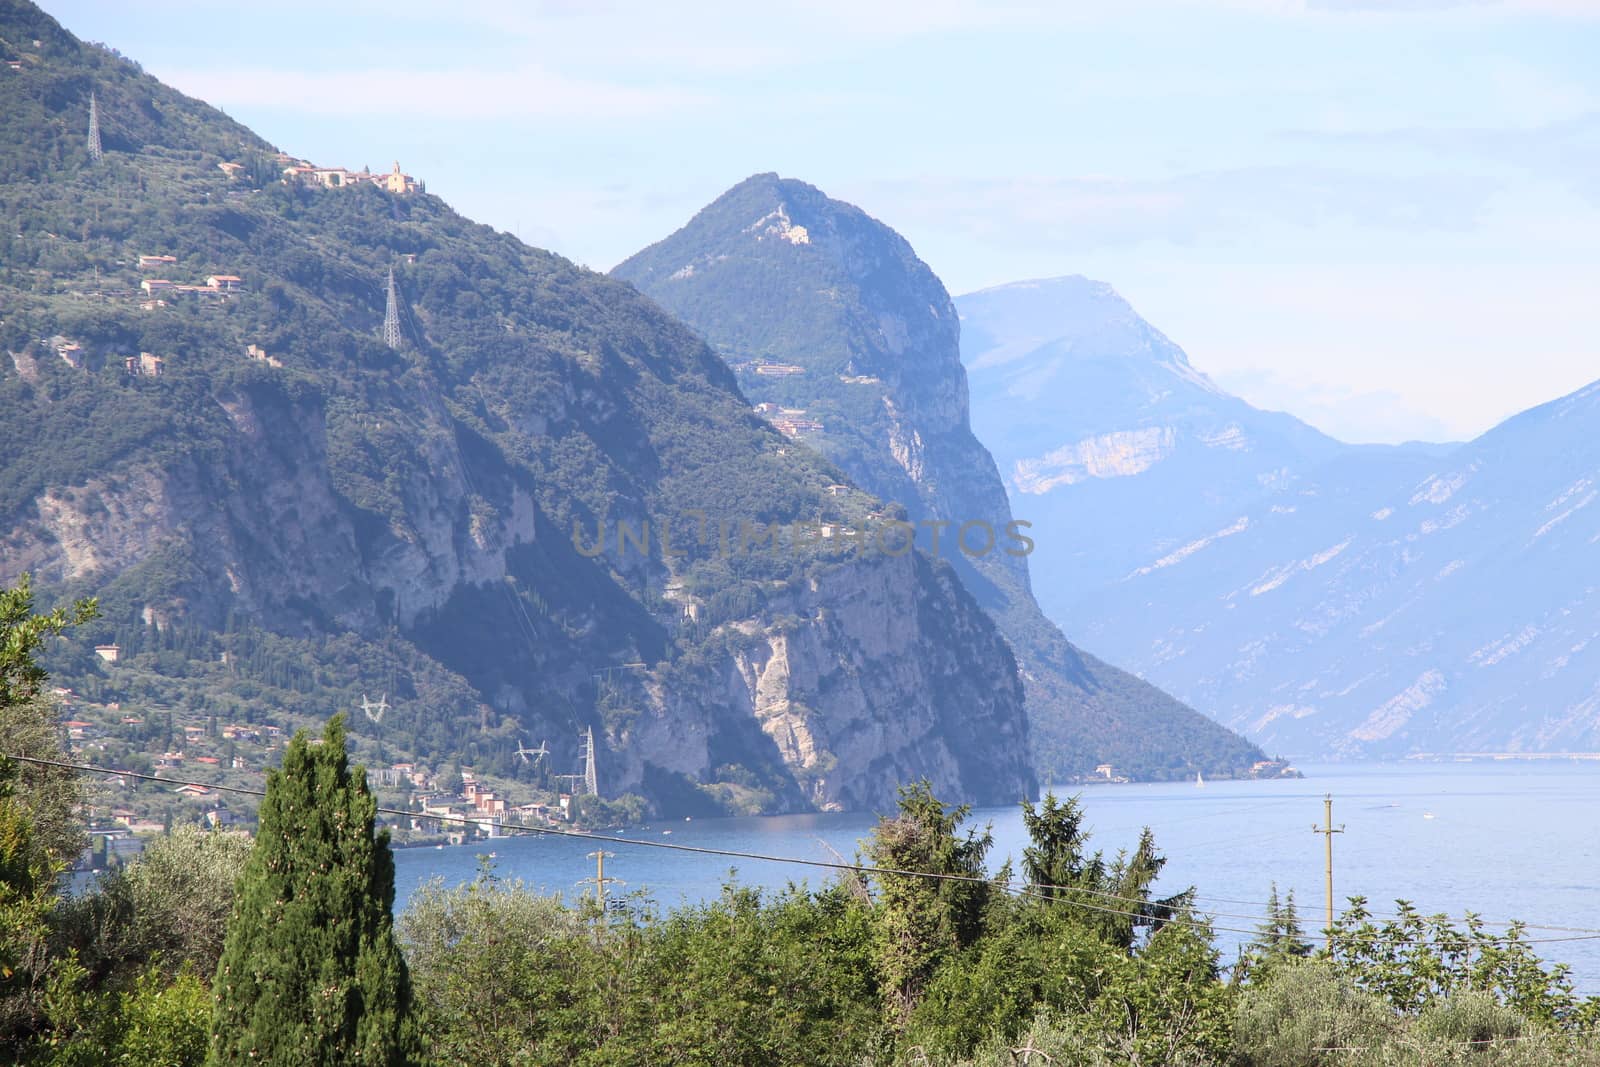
877 674
281 534
1102 430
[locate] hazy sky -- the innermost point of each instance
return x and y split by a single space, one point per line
1381 216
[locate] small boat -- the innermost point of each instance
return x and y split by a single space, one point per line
666 831
1427 815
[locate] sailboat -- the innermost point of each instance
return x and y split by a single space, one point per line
1199 780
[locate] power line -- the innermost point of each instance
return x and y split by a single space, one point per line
1035 888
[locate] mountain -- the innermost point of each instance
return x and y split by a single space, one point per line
1322 598
849 344
1109 441
1442 605
524 518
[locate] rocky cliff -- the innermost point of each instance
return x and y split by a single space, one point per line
279 511
849 343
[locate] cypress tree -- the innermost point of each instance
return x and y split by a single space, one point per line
310 970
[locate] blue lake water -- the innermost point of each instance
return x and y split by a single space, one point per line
1509 840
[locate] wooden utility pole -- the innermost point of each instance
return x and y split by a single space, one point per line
1327 830
600 881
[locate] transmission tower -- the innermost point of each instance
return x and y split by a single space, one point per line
375 711
94 129
591 780
391 316
587 783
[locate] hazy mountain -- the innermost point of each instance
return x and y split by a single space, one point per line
1453 606
1109 441
1321 598
848 342
280 512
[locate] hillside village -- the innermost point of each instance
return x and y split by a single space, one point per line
185 767
190 766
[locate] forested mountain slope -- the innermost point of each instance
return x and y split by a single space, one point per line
280 512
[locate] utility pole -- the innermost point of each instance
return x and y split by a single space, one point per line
600 881
1327 830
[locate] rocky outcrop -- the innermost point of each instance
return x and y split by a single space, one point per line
879 673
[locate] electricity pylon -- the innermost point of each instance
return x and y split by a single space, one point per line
375 711
94 129
391 316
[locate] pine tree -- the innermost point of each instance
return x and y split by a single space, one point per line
1114 899
1278 939
310 970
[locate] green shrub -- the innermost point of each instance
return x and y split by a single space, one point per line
1304 1010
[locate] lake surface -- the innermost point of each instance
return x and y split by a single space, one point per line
1509 840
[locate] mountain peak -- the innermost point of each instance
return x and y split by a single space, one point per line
1071 313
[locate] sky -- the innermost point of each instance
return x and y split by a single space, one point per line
1380 215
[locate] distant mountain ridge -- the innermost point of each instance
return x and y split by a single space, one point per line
845 339
1323 598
